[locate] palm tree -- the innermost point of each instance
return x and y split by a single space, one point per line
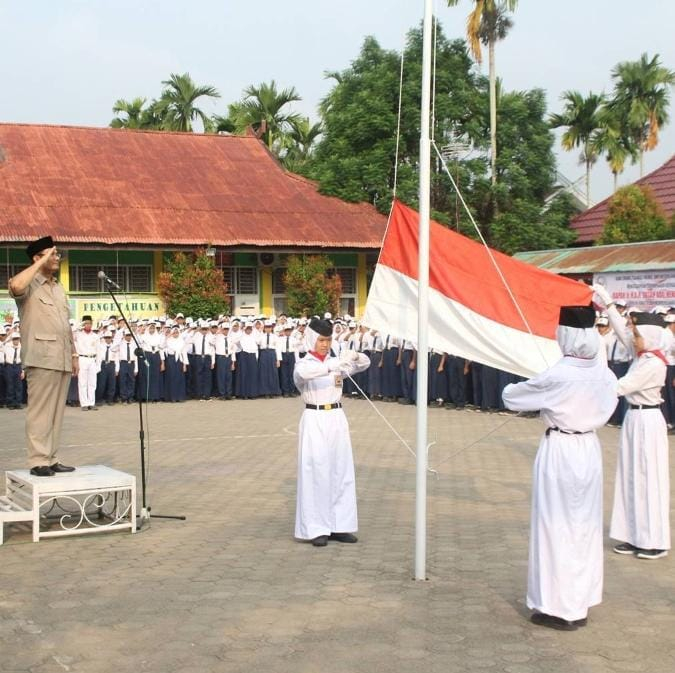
487 24
300 142
641 98
581 116
176 106
133 110
262 109
610 140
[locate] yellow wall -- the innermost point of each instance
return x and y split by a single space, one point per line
361 285
64 273
157 266
266 291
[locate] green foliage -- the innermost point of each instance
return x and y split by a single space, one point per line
192 285
526 227
175 110
310 287
640 99
265 109
635 215
355 157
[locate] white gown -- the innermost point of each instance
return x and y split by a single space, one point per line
565 570
326 496
641 511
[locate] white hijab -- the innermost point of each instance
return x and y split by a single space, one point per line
578 342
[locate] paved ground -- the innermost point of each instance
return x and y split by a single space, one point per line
230 590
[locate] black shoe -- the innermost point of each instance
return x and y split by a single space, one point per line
85 408
651 554
557 623
581 622
625 548
320 541
93 408
58 467
344 537
42 471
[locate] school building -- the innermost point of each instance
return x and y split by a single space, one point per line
122 201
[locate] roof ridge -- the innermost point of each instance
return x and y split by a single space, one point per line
110 129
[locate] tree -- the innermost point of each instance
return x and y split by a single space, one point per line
134 111
310 287
527 226
609 139
488 24
300 142
640 101
581 116
635 215
263 109
355 156
176 106
191 284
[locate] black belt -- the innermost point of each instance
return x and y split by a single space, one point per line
645 406
566 432
324 407
82 355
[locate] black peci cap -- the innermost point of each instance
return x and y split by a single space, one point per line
648 319
38 246
323 328
581 317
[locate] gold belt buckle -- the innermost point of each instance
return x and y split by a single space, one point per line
327 407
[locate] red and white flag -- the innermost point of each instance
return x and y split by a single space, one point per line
471 313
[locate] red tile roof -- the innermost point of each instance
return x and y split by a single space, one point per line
114 186
591 222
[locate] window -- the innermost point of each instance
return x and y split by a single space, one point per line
348 278
7 271
278 285
84 278
241 279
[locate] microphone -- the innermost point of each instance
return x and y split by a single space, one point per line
108 281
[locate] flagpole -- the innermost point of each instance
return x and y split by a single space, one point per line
423 303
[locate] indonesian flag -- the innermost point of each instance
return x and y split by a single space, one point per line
471 313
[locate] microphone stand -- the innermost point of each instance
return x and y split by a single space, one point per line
145 509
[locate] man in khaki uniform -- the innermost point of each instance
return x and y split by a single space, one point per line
48 355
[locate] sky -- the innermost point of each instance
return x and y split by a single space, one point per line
68 61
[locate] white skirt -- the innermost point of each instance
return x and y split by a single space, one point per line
565 570
640 515
326 497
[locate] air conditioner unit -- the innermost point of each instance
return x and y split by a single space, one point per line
267 259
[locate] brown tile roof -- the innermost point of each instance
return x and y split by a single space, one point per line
112 186
590 223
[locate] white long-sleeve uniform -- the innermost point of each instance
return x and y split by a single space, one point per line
565 570
326 496
641 510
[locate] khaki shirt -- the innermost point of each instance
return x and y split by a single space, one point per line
46 337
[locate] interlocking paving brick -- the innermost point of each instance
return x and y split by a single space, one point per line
229 589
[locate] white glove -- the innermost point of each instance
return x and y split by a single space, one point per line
602 294
349 356
334 364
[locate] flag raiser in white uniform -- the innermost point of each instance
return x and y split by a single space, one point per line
575 396
326 490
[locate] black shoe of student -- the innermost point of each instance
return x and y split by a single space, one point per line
581 622
344 537
58 467
42 471
320 541
624 548
552 622
93 408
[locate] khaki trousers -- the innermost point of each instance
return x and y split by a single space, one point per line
47 394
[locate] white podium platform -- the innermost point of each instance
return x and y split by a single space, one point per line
92 499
